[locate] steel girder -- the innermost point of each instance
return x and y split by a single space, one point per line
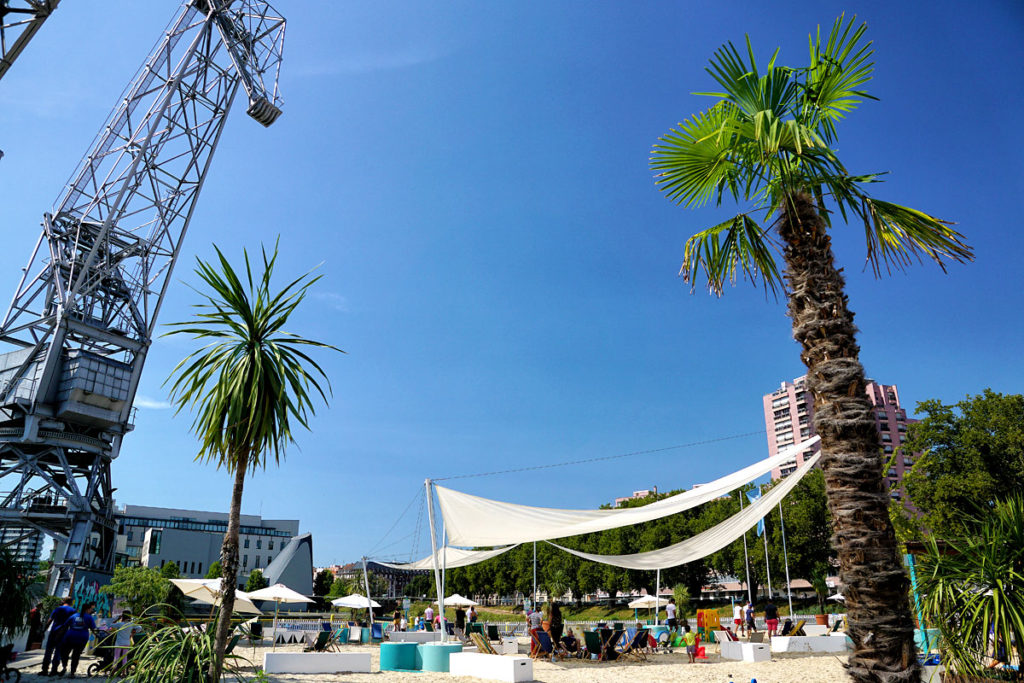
84 313
19 21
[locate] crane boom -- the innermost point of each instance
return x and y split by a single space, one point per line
83 315
19 21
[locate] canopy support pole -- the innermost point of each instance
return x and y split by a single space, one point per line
785 556
657 596
433 548
534 594
746 558
444 572
767 560
366 583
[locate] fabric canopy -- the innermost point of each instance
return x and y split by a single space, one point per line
451 558
708 541
474 521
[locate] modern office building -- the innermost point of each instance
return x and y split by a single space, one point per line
152 537
25 543
789 420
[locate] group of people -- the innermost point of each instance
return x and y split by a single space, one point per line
744 622
462 617
67 633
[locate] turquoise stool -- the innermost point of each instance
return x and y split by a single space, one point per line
434 656
398 657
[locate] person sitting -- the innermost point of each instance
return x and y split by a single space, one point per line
569 642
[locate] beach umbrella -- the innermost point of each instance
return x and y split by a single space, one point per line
458 601
209 591
354 601
837 596
278 593
644 601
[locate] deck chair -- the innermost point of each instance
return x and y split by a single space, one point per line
430 627
798 628
836 626
323 638
592 642
340 636
617 626
483 645
636 648
542 645
727 635
232 643
254 634
355 634
492 632
609 643
376 631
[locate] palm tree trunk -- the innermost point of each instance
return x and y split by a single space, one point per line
875 583
229 573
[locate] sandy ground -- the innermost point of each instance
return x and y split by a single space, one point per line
658 668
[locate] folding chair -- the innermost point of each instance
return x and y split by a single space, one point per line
635 648
376 631
609 642
482 644
798 628
430 627
323 638
492 632
543 647
592 643
355 634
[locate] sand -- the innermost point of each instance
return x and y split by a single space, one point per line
658 668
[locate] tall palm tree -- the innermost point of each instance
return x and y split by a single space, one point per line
247 386
765 144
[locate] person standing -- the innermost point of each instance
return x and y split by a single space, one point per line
737 618
771 618
55 624
79 626
557 625
460 623
751 626
670 615
123 639
690 638
428 616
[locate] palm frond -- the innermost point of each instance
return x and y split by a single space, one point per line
736 247
896 234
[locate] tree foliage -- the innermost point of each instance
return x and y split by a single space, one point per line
16 596
972 454
322 582
213 572
170 571
256 581
140 587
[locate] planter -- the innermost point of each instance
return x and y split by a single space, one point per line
821 619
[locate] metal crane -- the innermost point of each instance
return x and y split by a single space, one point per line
83 315
19 21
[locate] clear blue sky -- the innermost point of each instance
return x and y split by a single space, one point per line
497 261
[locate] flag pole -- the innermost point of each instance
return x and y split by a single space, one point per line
767 560
785 555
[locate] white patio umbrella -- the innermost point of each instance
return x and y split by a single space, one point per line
458 601
278 593
644 601
837 596
354 601
208 591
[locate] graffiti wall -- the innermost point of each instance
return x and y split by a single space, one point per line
86 588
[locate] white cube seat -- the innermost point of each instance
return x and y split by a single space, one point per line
491 667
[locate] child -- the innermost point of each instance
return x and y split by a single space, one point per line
690 638
123 639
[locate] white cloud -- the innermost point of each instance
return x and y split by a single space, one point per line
147 403
332 300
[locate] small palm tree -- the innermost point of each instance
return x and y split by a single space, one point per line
766 144
247 385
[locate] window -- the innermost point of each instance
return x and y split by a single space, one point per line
888 449
270 545
269 560
129 535
155 538
245 560
200 567
193 571
779 402
908 462
805 432
247 543
885 437
257 563
892 471
259 543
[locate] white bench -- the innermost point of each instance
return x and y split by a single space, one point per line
316 662
808 644
414 636
491 667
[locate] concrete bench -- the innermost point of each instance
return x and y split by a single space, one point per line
491 667
316 662
808 644
745 652
414 636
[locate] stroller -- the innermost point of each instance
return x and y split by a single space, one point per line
104 653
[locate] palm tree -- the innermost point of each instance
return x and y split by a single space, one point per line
765 145
247 385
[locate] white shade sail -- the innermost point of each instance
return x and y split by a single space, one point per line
451 558
708 541
474 521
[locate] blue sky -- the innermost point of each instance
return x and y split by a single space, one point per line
497 261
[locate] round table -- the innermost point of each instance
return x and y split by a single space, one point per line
434 656
398 656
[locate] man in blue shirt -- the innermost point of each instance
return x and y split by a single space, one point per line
79 626
55 624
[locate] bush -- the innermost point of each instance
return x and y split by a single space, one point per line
172 653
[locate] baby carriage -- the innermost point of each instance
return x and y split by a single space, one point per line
104 653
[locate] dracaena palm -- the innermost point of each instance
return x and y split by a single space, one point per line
766 145
248 386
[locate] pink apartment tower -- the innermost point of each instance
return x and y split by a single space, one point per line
789 420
